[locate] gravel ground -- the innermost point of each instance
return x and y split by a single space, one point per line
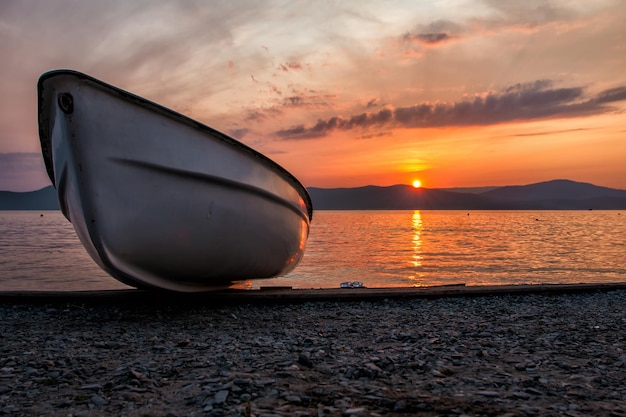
515 355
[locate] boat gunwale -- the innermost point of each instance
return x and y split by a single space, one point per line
45 140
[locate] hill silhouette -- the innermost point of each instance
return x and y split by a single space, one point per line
549 195
395 197
44 199
559 194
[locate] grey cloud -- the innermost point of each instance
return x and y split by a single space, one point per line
529 12
294 100
440 25
507 14
323 127
432 38
376 135
611 95
289 66
437 32
551 132
306 100
532 86
528 101
372 103
238 133
297 132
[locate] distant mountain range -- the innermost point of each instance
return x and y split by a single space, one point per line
44 199
550 195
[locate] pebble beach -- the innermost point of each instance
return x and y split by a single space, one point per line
498 355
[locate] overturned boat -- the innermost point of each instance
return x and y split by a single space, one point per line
160 200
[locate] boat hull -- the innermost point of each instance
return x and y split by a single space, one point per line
161 201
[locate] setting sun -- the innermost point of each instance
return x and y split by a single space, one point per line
417 184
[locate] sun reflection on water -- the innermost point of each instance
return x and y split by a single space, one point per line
417 258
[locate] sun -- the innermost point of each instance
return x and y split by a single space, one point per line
417 184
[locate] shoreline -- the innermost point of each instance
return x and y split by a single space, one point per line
454 352
277 294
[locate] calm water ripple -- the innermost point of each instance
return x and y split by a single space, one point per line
378 248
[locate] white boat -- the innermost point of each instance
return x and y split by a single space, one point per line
160 200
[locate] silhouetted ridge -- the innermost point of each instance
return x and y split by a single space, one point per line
549 195
395 197
551 190
44 199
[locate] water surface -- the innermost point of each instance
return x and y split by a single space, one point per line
40 251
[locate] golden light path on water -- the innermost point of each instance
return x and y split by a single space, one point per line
417 245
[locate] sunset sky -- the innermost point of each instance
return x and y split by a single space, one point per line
456 93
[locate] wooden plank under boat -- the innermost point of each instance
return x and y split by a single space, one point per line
160 200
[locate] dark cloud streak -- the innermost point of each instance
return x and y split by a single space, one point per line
428 38
290 66
611 95
323 127
529 101
372 103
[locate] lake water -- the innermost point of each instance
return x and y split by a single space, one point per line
40 251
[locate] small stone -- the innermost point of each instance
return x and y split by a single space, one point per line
400 405
356 411
220 396
531 411
183 343
62 403
372 371
264 382
91 387
98 400
533 391
489 394
265 403
294 399
243 382
8 409
342 404
521 395
303 359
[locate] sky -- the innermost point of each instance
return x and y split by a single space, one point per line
455 93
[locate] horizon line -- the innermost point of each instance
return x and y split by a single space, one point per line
402 184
